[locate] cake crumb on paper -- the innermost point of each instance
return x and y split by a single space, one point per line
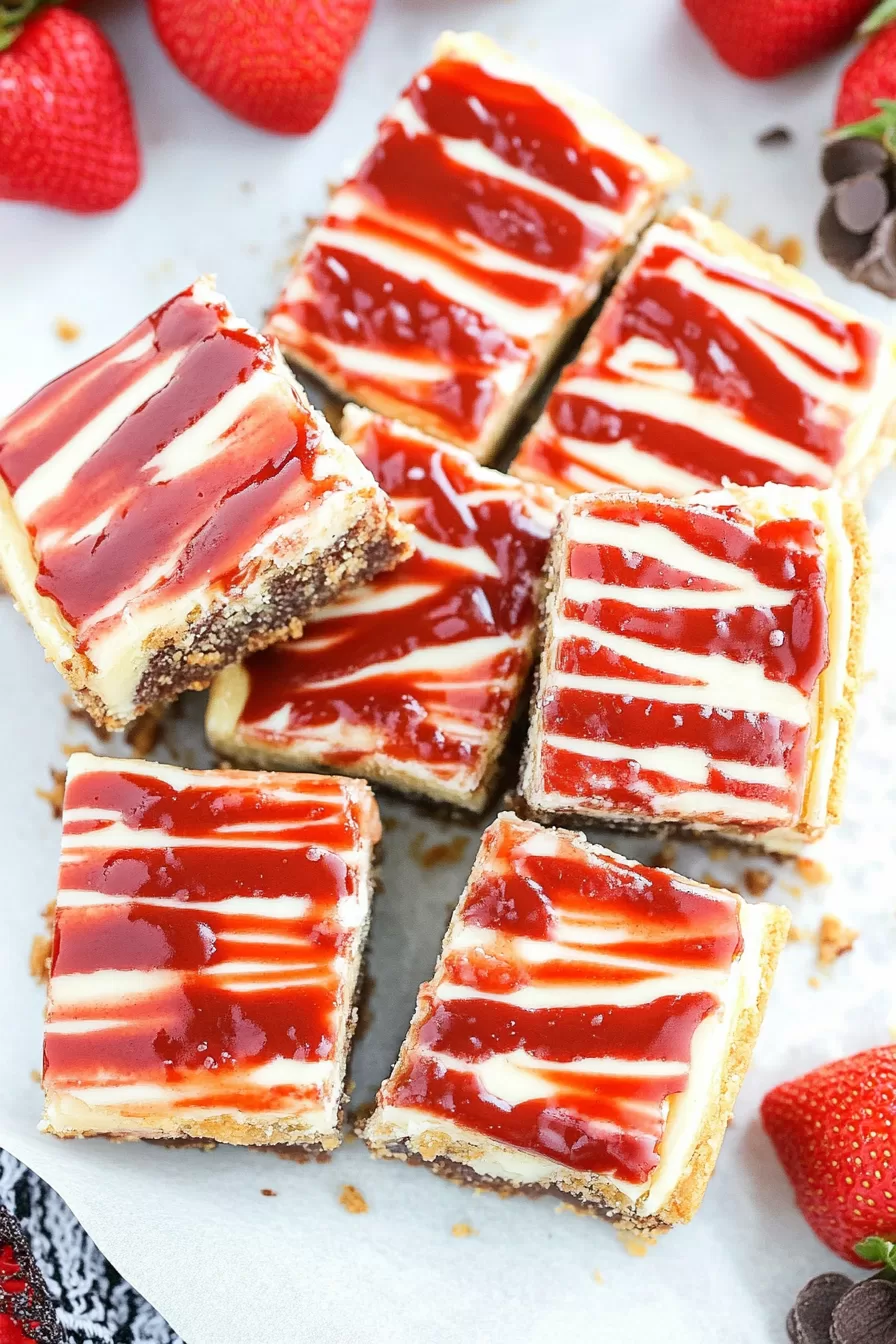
66 330
143 734
757 881
795 935
72 748
813 872
834 938
814 982
636 1246
35 1076
54 795
597 1276
268 1192
435 856
39 958
463 1230
352 1200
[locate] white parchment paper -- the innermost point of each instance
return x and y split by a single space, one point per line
192 1230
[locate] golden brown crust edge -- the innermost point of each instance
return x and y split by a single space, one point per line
688 1194
860 593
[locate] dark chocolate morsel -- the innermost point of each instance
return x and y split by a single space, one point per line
866 1314
815 1305
876 268
861 202
775 135
838 246
848 158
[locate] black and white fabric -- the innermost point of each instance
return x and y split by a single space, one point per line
94 1303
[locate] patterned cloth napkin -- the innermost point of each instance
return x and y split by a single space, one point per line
55 1286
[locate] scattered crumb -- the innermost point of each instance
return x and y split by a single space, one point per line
721 207
72 748
789 249
247 188
814 982
434 856
352 1200
597 1276
757 881
349 1136
636 1246
790 889
834 938
665 855
775 135
35 1076
143 734
718 853
54 795
708 880
39 960
795 935
75 711
695 200
813 872
66 330
268 1192
463 1230
48 914
390 824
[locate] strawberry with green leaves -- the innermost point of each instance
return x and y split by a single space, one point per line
66 129
834 1131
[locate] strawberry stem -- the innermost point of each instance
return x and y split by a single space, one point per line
879 1251
14 17
881 126
879 17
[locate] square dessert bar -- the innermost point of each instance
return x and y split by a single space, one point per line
449 267
701 661
206 955
714 361
174 503
413 679
586 1031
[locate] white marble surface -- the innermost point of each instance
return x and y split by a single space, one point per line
191 1230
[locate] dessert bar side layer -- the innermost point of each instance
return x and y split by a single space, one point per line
802 398
207 942
684 648
414 677
578 1023
479 225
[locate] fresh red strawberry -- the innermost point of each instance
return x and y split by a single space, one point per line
274 63
872 75
66 131
765 38
834 1131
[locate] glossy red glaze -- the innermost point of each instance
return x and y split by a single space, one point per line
729 367
257 837
788 642
518 234
197 527
644 927
442 710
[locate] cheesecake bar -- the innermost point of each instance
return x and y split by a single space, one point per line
700 664
174 503
448 268
586 1031
208 939
714 361
412 680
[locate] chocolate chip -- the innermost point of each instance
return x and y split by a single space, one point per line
814 1306
877 266
775 135
861 202
866 1314
838 246
848 158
